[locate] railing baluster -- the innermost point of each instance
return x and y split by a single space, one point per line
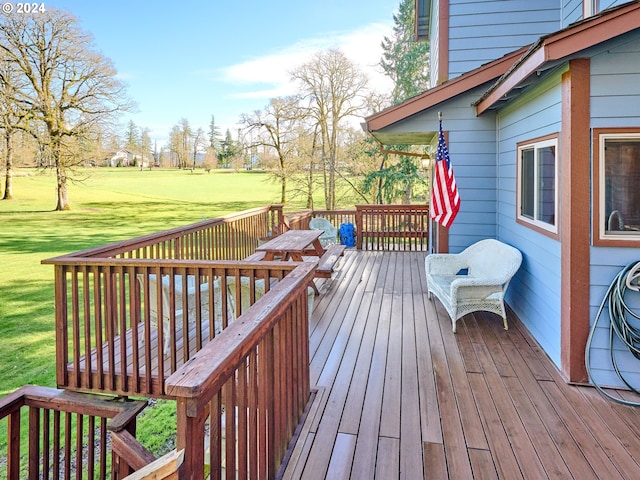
46 443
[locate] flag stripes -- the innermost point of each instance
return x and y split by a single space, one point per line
445 199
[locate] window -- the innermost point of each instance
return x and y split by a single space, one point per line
617 200
538 184
589 8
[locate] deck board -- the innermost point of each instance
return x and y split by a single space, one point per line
404 397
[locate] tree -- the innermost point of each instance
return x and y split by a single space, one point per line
332 89
404 60
199 142
228 149
145 144
275 128
305 159
214 134
12 118
132 141
71 88
180 142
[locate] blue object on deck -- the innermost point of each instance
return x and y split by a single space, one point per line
347 234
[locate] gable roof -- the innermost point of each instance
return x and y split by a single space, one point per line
511 71
443 92
560 45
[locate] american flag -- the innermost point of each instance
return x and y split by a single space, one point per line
445 200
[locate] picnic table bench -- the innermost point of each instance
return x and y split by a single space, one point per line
296 245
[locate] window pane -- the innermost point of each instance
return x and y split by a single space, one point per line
547 184
622 185
527 180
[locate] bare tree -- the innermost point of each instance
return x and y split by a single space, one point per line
306 157
199 144
71 89
12 118
275 128
180 142
145 146
131 136
333 89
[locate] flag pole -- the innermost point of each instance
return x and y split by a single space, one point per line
432 223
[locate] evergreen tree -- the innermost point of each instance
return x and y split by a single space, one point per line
214 135
228 149
404 60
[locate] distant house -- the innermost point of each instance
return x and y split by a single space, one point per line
541 104
127 158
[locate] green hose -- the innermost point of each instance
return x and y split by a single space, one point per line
619 314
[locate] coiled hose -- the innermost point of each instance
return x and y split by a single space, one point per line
620 315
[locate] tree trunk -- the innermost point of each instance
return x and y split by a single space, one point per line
8 179
310 188
283 190
61 184
283 184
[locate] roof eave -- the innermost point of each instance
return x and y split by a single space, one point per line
443 92
562 44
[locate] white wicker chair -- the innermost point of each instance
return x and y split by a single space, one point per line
330 234
489 264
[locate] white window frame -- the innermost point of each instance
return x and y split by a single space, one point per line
589 8
535 222
622 236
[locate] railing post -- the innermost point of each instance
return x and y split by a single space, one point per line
359 227
62 328
13 455
279 227
190 438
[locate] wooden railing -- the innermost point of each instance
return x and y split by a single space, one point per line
377 227
68 433
241 397
177 314
129 314
231 237
124 326
392 227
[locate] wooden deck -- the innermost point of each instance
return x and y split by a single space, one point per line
400 396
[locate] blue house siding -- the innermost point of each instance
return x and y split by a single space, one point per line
481 31
571 11
615 102
534 293
472 148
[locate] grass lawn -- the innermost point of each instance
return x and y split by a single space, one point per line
112 204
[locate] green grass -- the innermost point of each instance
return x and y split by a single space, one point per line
112 204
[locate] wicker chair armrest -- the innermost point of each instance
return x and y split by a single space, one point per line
473 287
444 263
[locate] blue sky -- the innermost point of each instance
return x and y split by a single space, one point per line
193 59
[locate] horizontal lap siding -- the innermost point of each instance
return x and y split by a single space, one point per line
481 31
534 293
472 149
615 101
571 11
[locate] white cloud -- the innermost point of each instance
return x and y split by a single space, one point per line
125 76
268 76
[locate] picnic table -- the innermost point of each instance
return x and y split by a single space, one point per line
295 245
